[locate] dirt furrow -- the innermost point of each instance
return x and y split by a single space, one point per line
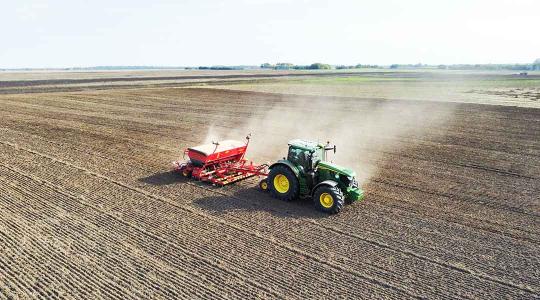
47 266
71 206
159 163
451 213
324 239
125 277
310 261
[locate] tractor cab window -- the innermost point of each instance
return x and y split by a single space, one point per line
315 159
299 157
293 154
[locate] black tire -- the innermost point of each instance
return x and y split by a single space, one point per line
263 185
293 186
338 200
186 173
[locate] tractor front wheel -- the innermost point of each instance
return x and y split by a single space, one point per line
329 199
283 184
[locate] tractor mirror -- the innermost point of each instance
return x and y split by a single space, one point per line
334 149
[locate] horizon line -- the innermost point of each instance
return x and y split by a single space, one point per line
258 66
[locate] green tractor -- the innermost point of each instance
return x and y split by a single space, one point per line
306 173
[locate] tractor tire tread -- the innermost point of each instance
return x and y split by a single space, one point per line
337 194
294 184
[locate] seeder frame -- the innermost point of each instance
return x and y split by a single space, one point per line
220 168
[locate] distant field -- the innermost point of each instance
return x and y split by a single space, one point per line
46 75
488 87
485 88
26 82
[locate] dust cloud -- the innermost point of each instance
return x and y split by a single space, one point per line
363 131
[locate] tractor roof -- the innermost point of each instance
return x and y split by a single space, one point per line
305 145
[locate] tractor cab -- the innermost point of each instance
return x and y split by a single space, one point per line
306 154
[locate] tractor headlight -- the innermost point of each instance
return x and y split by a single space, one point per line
354 183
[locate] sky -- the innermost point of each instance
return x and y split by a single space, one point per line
78 33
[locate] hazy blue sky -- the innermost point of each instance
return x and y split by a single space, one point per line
39 33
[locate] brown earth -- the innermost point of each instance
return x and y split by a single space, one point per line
89 207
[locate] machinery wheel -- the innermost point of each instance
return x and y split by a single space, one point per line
329 199
283 184
186 173
263 185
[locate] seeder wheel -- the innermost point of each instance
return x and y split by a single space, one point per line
186 173
263 185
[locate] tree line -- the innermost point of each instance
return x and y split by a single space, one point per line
516 67
314 66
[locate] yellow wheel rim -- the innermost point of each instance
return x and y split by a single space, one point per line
327 201
281 183
185 173
264 185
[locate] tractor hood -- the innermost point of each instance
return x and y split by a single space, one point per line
336 168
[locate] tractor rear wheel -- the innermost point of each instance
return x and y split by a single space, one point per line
283 184
329 199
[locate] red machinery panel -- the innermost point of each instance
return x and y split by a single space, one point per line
213 153
219 163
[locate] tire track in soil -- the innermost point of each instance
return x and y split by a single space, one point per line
157 162
319 224
454 197
379 244
49 268
219 115
469 164
228 117
254 234
229 127
49 253
62 231
459 164
82 151
73 205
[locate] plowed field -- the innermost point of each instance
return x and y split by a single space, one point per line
89 207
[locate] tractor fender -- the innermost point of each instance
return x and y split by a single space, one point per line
326 182
287 164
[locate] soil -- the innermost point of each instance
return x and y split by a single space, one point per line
89 206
